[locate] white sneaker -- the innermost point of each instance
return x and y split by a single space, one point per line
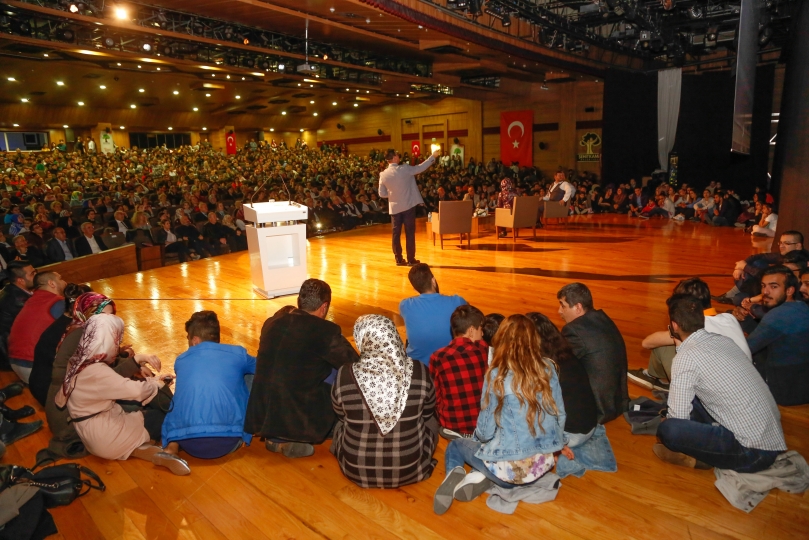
679 217
472 486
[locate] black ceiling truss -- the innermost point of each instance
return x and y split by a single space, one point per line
196 26
679 32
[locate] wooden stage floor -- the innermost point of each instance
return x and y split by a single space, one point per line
631 266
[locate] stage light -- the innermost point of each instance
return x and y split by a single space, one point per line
65 34
170 128
301 130
281 67
204 129
283 113
133 106
232 60
66 126
238 97
196 109
81 104
207 95
141 90
109 43
11 79
334 103
15 125
176 92
272 129
505 21
356 104
121 13
315 114
121 127
695 12
147 47
59 83
102 87
74 8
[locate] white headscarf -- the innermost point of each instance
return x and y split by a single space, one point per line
384 371
99 343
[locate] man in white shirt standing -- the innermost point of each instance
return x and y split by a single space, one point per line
662 345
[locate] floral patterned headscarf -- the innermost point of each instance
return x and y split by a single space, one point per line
384 371
506 197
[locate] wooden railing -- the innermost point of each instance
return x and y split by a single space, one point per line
110 263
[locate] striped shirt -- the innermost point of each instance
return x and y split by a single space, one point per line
715 370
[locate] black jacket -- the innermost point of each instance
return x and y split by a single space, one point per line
580 403
597 342
34 256
83 246
12 299
114 224
54 251
289 399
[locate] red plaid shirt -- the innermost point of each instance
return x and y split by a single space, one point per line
458 371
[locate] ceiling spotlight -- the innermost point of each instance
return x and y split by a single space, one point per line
207 95
16 125
176 92
283 113
204 129
246 41
121 127
301 130
147 47
133 106
65 34
170 128
60 83
505 21
196 109
109 42
103 87
45 55
66 126
695 12
238 97
334 103
315 114
121 13
74 8
81 104
281 67
272 129
331 9
312 102
141 90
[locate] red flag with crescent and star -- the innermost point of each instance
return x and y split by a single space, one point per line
517 137
230 143
415 148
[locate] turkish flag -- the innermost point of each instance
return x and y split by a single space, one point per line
517 137
415 148
230 143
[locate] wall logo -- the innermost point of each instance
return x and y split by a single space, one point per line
589 140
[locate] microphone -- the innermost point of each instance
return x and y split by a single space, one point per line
256 192
289 195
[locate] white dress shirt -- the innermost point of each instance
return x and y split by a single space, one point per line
566 186
91 240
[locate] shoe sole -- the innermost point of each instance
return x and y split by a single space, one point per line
174 464
639 381
446 491
290 450
470 492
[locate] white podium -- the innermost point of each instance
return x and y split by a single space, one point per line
276 242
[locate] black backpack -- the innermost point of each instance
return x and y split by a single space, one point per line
60 485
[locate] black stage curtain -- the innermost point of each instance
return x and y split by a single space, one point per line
629 135
705 128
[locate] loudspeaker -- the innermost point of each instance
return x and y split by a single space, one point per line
407 122
589 109
340 126
456 141
379 132
542 146
69 136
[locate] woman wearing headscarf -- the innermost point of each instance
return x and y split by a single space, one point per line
386 431
505 199
91 391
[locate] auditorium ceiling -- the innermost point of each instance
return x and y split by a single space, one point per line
267 58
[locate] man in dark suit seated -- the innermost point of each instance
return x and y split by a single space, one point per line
59 248
598 343
119 222
89 243
189 233
172 242
26 253
290 401
216 234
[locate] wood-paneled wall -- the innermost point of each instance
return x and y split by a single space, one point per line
560 120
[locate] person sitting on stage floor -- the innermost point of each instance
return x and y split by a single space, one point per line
726 210
12 299
804 277
92 392
458 371
664 209
749 268
598 344
637 202
385 435
45 306
290 402
658 374
780 342
580 403
704 206
521 423
491 323
768 223
426 316
720 412
207 415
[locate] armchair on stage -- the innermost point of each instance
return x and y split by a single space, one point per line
522 215
276 241
453 217
554 210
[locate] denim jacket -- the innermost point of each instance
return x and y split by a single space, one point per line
511 440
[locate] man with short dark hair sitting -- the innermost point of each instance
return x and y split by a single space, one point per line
207 415
290 402
720 411
458 371
426 316
598 344
12 299
780 342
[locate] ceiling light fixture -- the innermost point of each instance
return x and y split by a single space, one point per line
60 83
272 129
356 104
283 113
238 97
103 87
207 95
66 126
312 102
196 109
121 127
16 125
176 92
121 13
334 103
11 79
81 103
315 114
170 128
133 106
204 129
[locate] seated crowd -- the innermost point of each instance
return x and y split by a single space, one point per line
511 394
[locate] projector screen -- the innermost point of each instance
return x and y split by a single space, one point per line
746 57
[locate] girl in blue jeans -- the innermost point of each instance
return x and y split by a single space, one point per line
521 423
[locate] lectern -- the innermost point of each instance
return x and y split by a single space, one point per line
276 241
